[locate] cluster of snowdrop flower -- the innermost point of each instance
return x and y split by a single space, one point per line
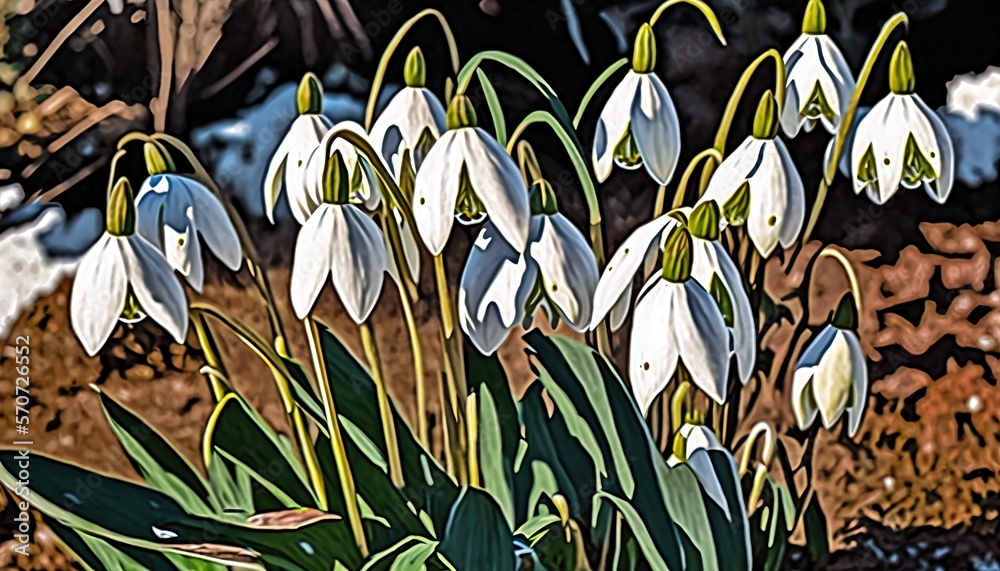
423 165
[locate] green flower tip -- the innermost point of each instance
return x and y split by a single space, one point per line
158 160
121 209
704 222
814 22
737 208
901 79
677 256
846 316
460 113
542 198
310 95
414 72
765 123
644 53
336 182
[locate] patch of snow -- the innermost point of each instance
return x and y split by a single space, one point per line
969 94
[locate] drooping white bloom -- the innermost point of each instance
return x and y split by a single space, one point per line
819 83
831 377
678 323
501 288
639 125
363 180
340 242
414 119
469 172
287 168
172 211
614 289
777 198
901 141
125 277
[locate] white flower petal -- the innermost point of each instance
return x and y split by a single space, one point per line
937 141
655 347
733 171
287 167
804 403
494 287
656 128
711 259
831 384
795 208
155 286
619 311
358 261
884 130
612 124
568 268
791 116
313 260
777 200
213 223
623 265
705 341
859 384
436 190
497 182
402 122
98 295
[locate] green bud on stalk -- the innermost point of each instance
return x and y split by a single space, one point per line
765 122
814 22
414 71
121 209
901 78
460 113
310 95
158 160
677 256
704 221
336 182
846 316
644 52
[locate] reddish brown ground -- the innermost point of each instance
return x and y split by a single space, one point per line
927 453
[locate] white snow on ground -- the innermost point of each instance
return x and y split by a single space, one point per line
973 119
38 247
969 94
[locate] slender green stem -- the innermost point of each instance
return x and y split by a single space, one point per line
711 155
212 359
444 298
419 379
309 455
472 426
705 9
493 102
848 118
457 387
722 134
593 89
391 48
336 438
384 406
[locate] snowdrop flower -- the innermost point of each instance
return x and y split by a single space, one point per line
172 211
901 141
124 277
678 326
714 269
413 120
341 242
639 125
831 376
287 167
761 168
364 184
468 172
501 287
819 81
614 290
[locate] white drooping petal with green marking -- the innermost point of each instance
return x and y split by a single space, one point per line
173 211
831 378
287 168
819 85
